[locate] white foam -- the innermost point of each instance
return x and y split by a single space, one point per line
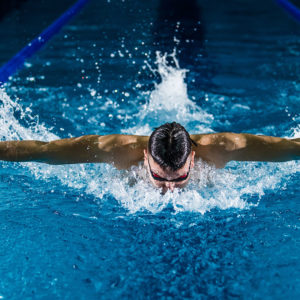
296 132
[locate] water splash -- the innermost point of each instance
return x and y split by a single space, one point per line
17 122
169 100
240 185
296 132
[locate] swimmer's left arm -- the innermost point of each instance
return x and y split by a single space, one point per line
221 148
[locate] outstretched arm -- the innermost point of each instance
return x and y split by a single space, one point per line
221 148
121 150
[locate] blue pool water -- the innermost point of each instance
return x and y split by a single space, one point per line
90 231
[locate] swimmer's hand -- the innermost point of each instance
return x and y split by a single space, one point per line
220 148
121 150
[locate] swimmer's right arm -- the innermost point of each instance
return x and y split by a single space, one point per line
120 150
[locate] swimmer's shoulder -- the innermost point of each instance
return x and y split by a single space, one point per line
204 146
123 150
214 147
122 140
110 142
209 139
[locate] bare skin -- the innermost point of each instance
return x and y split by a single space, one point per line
124 151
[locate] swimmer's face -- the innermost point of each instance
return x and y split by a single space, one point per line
168 179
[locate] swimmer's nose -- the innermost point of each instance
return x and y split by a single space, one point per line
170 186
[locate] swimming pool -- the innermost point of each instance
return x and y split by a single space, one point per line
90 231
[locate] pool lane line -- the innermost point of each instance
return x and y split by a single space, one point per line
292 9
16 62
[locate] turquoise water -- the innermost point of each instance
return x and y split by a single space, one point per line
90 231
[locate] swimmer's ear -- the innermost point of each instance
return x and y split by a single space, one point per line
145 157
193 159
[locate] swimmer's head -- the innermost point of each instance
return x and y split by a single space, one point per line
169 157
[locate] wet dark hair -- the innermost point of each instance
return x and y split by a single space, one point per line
170 145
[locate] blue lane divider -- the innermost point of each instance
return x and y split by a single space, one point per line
18 60
290 8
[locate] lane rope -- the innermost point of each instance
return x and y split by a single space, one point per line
16 62
292 9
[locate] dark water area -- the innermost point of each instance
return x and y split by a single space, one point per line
8 6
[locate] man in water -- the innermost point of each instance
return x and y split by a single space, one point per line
169 153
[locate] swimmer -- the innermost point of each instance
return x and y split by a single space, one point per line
169 153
